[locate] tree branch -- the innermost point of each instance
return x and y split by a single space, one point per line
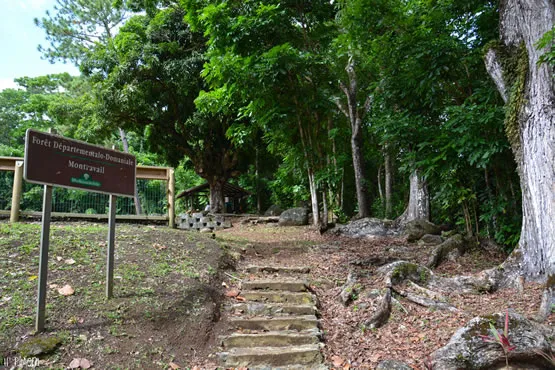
495 70
341 107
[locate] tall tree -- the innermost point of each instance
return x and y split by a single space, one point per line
364 27
75 29
266 57
150 80
528 87
77 26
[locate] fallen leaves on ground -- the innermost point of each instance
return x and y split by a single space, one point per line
80 363
159 246
233 292
66 290
174 366
413 332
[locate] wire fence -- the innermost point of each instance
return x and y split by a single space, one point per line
152 196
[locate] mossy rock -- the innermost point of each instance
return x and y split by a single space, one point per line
467 350
38 346
416 229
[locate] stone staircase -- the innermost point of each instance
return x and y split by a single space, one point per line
276 326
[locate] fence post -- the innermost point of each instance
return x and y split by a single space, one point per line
171 197
16 191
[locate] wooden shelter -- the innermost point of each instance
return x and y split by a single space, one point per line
234 197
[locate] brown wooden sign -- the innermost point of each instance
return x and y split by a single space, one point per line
56 160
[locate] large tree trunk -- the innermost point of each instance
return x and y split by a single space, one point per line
217 204
530 125
419 200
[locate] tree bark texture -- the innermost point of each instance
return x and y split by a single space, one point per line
138 208
388 182
419 200
355 116
531 129
217 204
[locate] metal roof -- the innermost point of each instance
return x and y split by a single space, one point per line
229 190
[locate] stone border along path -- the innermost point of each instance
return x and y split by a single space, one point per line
277 326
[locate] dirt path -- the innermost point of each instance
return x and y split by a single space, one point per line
413 332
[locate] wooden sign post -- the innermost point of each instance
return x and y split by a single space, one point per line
55 160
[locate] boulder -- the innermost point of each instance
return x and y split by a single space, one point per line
38 346
366 227
294 217
274 210
416 229
467 350
431 239
393 365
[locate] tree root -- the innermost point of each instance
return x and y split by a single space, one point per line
422 280
548 303
441 252
382 313
349 289
425 302
427 285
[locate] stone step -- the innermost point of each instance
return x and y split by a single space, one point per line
271 339
308 355
295 298
278 269
298 323
285 285
275 309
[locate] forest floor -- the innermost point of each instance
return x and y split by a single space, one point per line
413 332
167 309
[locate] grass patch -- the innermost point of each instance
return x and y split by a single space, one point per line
159 289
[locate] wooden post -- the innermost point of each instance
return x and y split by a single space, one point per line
16 191
111 248
171 197
43 260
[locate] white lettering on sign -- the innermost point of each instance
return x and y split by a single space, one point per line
64 148
85 167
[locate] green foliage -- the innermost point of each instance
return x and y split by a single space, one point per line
75 27
546 42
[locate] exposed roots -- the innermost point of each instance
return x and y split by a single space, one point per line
382 313
349 289
454 245
425 286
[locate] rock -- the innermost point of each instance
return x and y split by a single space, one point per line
466 349
38 346
294 217
366 227
431 239
274 210
206 230
393 365
416 229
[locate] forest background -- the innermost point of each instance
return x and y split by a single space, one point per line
338 106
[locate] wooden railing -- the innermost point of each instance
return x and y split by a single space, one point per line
15 164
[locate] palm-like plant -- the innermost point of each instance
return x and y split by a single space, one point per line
501 338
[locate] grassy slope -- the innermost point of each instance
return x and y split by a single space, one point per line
165 300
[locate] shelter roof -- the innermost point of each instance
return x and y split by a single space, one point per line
229 190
